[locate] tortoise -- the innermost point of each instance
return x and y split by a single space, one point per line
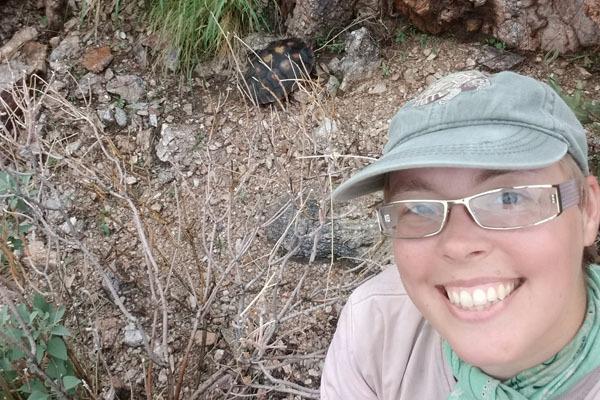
274 71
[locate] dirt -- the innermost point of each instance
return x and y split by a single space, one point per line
187 243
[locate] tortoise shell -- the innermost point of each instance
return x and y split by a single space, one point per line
274 71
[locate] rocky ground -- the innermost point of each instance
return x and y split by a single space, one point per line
188 232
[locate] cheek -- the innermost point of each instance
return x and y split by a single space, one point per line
412 262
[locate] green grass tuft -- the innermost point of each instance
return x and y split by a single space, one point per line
192 28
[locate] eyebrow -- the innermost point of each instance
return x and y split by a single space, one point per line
416 184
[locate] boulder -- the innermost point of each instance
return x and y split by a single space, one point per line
562 25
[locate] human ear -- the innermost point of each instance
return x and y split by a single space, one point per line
591 210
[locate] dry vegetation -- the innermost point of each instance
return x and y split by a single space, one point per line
176 257
223 312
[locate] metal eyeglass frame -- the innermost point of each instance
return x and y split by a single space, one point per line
567 195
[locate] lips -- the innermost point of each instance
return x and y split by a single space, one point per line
480 297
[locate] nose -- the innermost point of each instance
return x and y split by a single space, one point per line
462 239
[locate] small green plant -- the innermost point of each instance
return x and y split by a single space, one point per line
405 33
12 226
424 40
400 37
586 110
496 43
330 43
120 102
385 70
200 136
551 56
103 222
49 372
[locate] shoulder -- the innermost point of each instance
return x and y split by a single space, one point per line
383 299
386 283
379 309
392 340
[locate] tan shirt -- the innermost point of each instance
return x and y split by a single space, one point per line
384 349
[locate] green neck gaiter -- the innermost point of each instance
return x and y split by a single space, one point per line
544 381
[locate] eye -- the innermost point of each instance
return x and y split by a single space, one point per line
510 198
422 209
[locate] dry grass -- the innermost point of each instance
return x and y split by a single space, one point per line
178 263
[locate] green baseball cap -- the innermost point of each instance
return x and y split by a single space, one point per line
470 119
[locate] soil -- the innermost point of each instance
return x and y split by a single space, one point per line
184 244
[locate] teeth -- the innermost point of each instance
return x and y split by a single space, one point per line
465 299
491 294
479 298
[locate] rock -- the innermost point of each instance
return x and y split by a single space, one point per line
214 66
129 87
67 48
259 40
592 10
120 117
378 89
54 42
72 147
97 59
583 73
499 60
54 13
525 25
410 75
133 337
323 134
141 55
144 140
332 85
153 120
37 254
361 59
21 37
211 337
71 226
313 17
89 84
351 238
108 328
172 59
163 376
219 353
105 115
473 24
10 73
113 281
34 54
178 143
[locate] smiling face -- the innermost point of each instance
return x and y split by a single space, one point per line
504 300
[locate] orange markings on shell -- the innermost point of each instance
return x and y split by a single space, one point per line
285 65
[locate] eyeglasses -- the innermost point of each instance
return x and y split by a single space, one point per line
499 209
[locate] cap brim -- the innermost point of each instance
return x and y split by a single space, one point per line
497 147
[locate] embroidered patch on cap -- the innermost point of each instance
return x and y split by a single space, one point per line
448 87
